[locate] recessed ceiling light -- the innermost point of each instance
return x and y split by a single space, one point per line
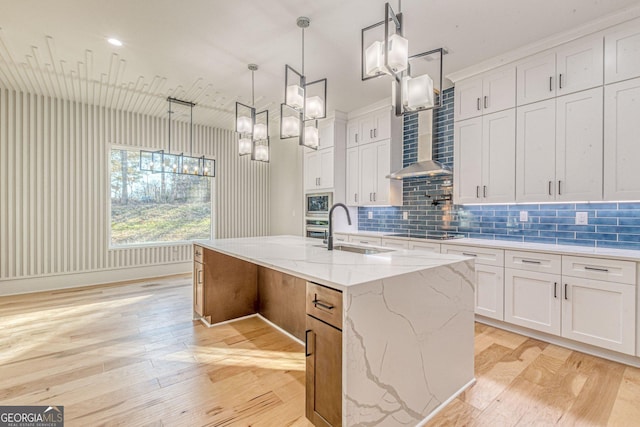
114 42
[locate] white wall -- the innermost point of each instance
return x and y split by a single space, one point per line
54 190
287 208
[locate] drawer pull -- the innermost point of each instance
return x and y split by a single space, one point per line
466 254
306 343
555 289
528 261
604 270
325 305
364 242
198 253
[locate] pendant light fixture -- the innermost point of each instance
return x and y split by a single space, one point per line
385 51
161 161
304 102
252 127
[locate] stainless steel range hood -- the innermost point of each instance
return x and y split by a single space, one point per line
425 166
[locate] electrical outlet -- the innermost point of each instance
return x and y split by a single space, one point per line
524 216
405 215
582 218
370 215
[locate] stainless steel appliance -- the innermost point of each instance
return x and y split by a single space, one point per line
318 204
317 227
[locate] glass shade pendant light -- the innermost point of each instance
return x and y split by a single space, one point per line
161 161
303 101
385 51
252 127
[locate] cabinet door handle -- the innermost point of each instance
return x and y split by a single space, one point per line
604 270
355 197
478 104
560 80
565 292
555 289
325 305
477 191
467 254
371 133
486 102
319 181
529 261
370 197
550 83
200 276
374 196
375 133
559 188
306 342
484 191
550 185
356 138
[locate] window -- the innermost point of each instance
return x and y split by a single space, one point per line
149 207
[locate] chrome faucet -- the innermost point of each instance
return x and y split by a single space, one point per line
330 237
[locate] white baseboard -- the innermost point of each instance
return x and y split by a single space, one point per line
445 403
563 342
101 277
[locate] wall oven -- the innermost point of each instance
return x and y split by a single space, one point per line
317 228
318 204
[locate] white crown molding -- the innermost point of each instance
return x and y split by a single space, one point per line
603 23
383 103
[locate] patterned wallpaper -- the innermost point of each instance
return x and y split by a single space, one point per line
610 224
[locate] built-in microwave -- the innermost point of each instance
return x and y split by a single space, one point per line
318 204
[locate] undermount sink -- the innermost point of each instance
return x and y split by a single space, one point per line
361 249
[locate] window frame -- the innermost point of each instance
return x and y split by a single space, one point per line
111 246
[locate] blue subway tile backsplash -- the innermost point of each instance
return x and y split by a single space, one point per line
610 224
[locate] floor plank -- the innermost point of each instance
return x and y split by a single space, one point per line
130 354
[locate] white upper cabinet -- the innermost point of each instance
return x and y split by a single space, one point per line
318 170
467 155
371 127
535 152
484 155
326 134
621 144
353 177
579 146
492 91
353 133
622 52
499 90
570 68
536 78
579 65
468 99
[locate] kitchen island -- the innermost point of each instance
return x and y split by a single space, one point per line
398 324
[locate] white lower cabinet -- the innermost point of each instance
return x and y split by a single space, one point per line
599 313
395 243
562 295
489 291
532 300
489 265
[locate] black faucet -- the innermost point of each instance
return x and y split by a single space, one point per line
330 238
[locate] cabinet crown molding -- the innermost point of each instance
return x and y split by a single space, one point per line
592 27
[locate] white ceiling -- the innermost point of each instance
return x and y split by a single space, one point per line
198 50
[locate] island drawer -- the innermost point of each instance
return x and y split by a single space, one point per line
197 253
324 304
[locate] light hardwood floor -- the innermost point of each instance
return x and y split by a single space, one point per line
131 355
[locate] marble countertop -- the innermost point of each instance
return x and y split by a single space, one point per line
308 259
621 254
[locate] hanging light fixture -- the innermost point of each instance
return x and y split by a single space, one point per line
161 161
384 51
252 127
304 102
